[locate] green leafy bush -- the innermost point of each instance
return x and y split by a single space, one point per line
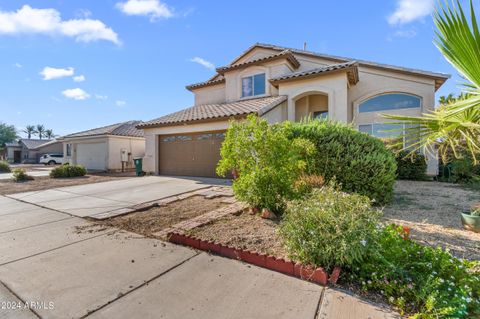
420 280
20 175
267 163
328 228
411 167
463 170
4 167
66 171
358 162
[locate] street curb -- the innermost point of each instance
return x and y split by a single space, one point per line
287 267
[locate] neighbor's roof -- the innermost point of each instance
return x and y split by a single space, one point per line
218 111
13 144
350 67
32 143
119 129
47 143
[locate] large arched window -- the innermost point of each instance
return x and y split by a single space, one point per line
391 101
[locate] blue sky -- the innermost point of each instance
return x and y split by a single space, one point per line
136 56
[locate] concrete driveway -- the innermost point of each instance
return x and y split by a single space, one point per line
106 199
49 269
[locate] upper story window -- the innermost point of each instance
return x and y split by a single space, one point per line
392 101
253 85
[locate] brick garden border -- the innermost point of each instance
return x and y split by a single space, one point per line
287 267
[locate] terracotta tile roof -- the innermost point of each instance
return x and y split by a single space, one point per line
206 83
439 77
285 54
350 67
218 111
120 129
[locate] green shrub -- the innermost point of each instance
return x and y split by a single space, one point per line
358 162
328 228
420 280
411 167
66 171
463 170
267 163
20 175
4 167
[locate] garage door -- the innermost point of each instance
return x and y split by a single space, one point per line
190 154
92 155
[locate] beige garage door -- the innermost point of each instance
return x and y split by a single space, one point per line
92 155
190 154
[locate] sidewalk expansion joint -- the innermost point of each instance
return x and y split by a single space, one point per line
319 305
18 297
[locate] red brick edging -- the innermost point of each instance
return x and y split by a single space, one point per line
317 275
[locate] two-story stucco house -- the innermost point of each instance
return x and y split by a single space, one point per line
282 84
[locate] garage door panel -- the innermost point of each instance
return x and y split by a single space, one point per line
92 155
190 155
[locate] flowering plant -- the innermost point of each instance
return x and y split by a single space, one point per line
419 280
475 210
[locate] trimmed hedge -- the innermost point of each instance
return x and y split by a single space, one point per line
411 167
357 161
66 171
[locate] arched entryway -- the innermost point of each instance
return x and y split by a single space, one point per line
311 105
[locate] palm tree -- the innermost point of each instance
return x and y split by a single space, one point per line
40 129
49 134
29 130
454 127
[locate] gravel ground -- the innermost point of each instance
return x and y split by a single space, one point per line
432 210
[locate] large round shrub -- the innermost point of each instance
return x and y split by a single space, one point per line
67 171
359 162
411 166
329 228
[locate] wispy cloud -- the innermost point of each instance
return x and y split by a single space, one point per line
203 62
154 9
101 97
76 94
79 78
28 20
410 10
18 65
405 33
49 73
120 103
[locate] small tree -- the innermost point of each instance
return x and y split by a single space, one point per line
8 133
49 134
40 131
267 163
29 130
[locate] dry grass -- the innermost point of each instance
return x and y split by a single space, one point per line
432 210
156 219
42 183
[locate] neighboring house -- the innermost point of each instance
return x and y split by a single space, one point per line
281 84
108 148
29 151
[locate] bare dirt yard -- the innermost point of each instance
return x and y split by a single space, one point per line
245 231
432 210
155 219
8 186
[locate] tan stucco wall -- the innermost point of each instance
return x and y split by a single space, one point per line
135 146
210 94
277 114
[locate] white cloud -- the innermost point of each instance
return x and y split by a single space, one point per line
205 63
76 94
101 97
405 33
410 10
120 103
18 65
152 8
50 73
79 78
28 20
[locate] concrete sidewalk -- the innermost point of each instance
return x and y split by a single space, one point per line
62 272
99 199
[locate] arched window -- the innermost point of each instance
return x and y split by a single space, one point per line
391 101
